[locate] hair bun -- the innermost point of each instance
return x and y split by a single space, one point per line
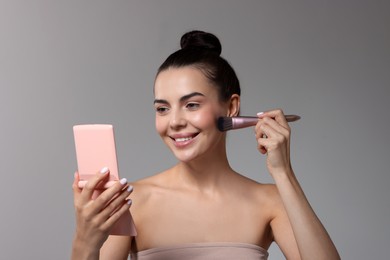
201 40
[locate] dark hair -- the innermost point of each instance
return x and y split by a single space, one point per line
202 50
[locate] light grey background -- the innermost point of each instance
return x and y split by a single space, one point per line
70 62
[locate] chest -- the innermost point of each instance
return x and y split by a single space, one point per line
186 220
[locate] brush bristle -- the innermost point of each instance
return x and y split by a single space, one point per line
224 124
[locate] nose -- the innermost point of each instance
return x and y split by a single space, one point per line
177 120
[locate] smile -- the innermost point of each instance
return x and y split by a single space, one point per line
183 140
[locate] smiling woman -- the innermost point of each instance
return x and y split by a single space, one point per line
201 208
187 106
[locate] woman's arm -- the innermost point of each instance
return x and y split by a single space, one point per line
116 247
296 216
312 239
95 217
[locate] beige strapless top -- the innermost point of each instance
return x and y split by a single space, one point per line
197 251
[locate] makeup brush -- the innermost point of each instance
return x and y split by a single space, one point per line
236 122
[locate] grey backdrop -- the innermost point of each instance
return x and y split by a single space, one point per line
70 62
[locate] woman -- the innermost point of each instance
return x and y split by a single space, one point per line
201 208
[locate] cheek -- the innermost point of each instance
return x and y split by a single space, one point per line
204 119
160 125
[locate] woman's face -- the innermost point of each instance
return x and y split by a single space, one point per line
187 107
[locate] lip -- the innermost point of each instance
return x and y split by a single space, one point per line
183 143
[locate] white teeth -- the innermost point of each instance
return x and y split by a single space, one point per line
183 139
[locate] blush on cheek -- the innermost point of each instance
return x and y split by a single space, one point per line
203 120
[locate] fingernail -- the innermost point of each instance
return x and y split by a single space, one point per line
260 113
129 202
104 170
123 181
130 188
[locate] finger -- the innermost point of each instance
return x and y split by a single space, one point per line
276 126
274 140
277 114
262 144
116 215
108 195
75 185
264 129
125 189
92 184
259 133
268 137
115 204
261 137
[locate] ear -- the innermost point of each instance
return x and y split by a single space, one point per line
234 105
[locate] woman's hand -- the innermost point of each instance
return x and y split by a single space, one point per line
312 239
96 216
273 138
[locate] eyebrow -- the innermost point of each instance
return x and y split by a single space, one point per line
182 99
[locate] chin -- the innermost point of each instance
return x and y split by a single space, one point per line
184 157
195 151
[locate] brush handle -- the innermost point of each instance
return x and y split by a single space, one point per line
246 121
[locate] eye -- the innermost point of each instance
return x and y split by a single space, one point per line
161 109
192 106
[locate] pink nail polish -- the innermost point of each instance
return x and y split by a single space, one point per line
123 181
104 170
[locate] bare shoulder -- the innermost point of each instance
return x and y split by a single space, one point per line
260 189
151 181
264 194
269 196
143 189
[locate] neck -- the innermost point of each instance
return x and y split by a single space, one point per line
206 174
